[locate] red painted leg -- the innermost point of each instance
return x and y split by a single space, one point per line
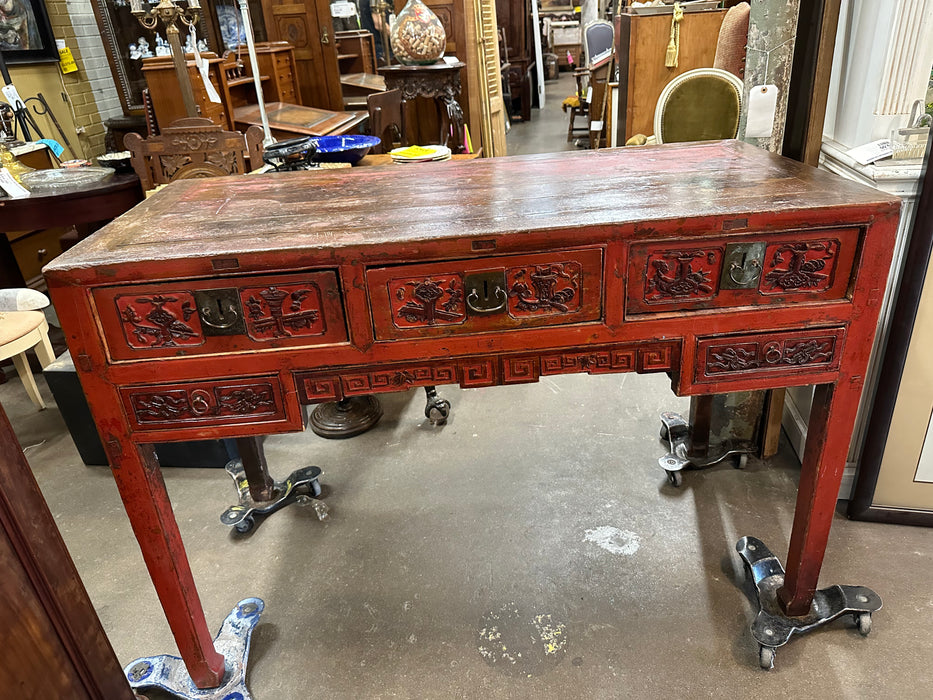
829 432
137 473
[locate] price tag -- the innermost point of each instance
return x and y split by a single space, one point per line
870 152
11 186
54 146
762 105
9 92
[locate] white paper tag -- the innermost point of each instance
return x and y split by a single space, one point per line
596 125
589 94
870 152
9 92
203 70
11 186
762 105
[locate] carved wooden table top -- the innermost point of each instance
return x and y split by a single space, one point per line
217 307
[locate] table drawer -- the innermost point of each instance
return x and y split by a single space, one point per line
500 293
194 404
752 270
197 317
776 353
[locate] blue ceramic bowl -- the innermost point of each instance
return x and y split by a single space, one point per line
343 149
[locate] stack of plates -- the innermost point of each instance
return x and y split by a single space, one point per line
419 154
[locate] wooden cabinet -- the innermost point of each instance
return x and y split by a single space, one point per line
165 93
642 45
356 52
309 28
276 59
232 78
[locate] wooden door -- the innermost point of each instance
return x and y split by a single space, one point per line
308 27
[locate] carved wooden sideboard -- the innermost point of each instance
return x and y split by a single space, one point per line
217 308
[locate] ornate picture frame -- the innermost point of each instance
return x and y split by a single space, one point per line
127 43
25 32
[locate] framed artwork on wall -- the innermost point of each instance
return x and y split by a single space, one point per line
25 32
127 43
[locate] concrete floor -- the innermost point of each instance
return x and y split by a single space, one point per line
531 548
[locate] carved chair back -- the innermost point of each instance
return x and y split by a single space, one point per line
193 147
387 119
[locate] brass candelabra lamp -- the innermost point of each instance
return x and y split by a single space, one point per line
170 13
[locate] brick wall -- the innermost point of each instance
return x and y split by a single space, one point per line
91 88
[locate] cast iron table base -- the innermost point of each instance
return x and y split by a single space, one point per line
168 673
772 628
677 433
301 487
352 416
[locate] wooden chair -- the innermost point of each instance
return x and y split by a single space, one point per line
387 119
23 327
700 105
193 147
590 98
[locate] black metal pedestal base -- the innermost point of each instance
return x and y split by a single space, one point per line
168 673
301 486
336 420
676 433
772 628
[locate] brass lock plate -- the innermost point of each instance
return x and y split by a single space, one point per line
485 292
220 311
742 265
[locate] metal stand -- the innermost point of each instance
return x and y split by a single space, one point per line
772 628
168 673
436 409
683 452
336 420
301 487
357 414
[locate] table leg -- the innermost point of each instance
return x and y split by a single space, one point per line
139 479
832 418
701 414
261 485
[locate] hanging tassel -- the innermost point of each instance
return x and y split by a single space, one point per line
673 46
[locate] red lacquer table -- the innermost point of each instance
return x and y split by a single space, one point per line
728 267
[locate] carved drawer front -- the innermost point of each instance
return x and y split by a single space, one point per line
194 317
192 404
471 296
780 352
740 271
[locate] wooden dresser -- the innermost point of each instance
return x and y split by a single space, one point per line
234 84
725 266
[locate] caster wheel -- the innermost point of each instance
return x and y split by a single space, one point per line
665 434
245 525
438 412
315 488
766 657
742 462
863 621
675 478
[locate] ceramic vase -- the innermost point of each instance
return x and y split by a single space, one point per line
417 35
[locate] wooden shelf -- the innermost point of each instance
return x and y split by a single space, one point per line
341 56
245 80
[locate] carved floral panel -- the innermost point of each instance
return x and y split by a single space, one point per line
427 301
160 320
737 357
283 311
552 288
683 274
196 402
799 267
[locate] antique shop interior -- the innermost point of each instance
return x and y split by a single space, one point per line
419 349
